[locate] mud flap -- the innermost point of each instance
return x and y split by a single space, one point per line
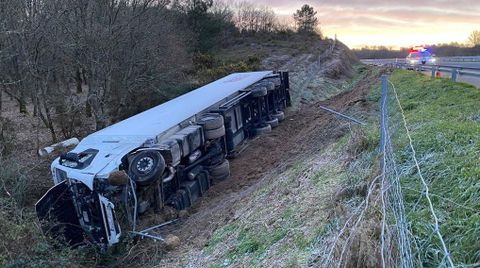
57 215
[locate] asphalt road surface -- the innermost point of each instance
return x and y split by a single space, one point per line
461 63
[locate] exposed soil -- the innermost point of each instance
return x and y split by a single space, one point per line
305 131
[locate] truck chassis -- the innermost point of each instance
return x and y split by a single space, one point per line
168 156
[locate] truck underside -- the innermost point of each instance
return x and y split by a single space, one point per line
172 171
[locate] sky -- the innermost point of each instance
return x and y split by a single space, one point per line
390 23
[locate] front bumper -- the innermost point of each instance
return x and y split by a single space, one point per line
71 212
421 61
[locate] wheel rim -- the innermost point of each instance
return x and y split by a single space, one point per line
145 164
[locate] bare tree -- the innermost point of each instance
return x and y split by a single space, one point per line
474 38
284 26
250 18
122 50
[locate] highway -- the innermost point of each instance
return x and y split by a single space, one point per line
462 64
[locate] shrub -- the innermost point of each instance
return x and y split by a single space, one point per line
203 61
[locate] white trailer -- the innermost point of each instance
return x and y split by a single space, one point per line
168 155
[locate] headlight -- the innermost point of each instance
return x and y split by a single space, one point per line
433 60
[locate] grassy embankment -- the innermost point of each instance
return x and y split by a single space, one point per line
444 120
287 221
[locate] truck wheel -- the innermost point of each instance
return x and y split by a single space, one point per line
280 116
147 166
273 123
219 172
259 92
215 133
262 130
211 121
216 160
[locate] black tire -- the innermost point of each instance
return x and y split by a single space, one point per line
273 123
219 172
219 179
146 166
211 121
216 160
262 130
259 92
280 116
215 133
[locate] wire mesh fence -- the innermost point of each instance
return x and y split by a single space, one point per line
420 206
401 246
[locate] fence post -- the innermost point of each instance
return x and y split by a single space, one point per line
454 74
383 112
433 71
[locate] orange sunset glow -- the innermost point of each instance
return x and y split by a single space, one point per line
390 23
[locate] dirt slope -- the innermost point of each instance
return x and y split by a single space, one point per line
306 132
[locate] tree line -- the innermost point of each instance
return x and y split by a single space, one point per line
98 61
442 50
470 48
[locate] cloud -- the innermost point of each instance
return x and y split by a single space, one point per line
401 24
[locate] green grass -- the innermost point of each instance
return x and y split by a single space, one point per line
254 241
443 118
219 236
290 235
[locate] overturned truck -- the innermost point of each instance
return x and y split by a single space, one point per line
167 156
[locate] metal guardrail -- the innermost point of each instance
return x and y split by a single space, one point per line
461 59
440 59
455 71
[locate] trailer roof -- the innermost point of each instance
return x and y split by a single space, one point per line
161 118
